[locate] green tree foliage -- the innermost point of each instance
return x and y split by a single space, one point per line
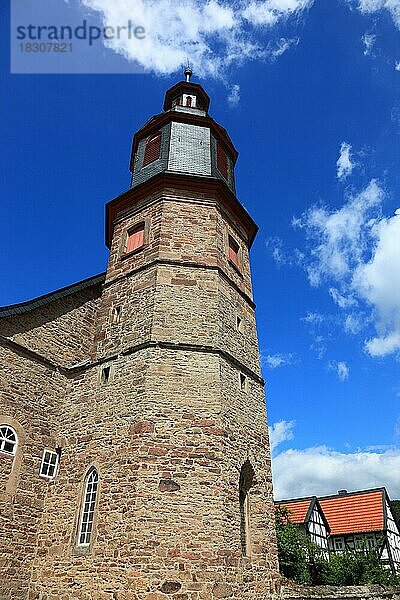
358 568
304 562
298 557
395 504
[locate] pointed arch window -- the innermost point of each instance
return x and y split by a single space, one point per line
245 483
152 149
8 440
88 508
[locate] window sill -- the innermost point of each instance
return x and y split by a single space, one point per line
232 264
81 550
132 253
47 478
8 454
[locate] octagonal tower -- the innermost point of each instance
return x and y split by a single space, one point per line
163 488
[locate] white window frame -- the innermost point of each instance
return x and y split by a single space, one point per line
338 544
4 439
88 508
47 462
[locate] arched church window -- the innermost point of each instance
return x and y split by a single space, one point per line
8 440
152 149
88 508
245 483
188 100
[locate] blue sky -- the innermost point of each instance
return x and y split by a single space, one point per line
309 92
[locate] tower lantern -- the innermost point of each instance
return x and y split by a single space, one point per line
183 139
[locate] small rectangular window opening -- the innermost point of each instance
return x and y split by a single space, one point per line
152 149
222 161
238 324
116 315
135 238
243 382
49 464
105 374
233 251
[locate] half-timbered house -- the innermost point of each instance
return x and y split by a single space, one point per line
307 513
350 521
363 520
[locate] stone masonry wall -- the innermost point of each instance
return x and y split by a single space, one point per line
29 396
169 432
62 330
100 428
291 591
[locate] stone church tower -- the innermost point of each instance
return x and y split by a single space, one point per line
134 453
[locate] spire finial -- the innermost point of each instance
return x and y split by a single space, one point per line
188 71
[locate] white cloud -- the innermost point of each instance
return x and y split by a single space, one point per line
353 323
358 250
234 95
274 361
280 256
373 6
378 283
397 65
313 318
339 235
319 347
280 432
321 471
341 369
344 163
267 13
260 13
282 46
213 34
340 300
368 39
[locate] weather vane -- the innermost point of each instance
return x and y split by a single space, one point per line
188 71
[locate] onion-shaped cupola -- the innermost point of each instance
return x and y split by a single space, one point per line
183 140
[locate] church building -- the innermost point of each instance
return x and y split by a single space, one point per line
134 452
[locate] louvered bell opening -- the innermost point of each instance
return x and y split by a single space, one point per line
152 150
222 161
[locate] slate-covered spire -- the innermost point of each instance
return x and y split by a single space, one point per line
183 139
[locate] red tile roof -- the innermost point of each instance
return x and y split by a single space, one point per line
354 513
297 510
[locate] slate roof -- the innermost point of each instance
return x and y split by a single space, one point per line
23 307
